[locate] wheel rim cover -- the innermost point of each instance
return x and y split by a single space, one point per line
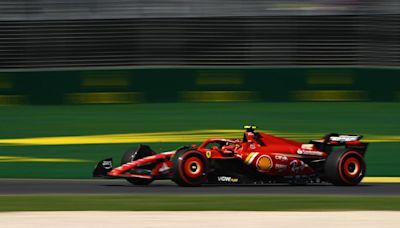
352 167
193 167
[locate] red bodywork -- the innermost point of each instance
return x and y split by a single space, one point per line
268 154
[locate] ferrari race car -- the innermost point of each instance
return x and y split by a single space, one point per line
258 158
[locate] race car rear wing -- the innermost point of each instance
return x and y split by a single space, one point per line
340 140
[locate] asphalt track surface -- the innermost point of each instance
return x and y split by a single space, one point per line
32 186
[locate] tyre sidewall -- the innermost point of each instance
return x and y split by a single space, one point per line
334 167
133 155
180 176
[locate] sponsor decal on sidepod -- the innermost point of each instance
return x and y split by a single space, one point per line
227 179
281 157
309 152
264 163
280 167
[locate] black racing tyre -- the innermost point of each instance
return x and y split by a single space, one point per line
133 155
189 168
345 167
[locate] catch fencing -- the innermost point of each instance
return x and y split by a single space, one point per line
151 33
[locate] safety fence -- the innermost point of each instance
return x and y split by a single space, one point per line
125 33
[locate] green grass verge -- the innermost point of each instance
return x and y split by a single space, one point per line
195 202
319 118
34 121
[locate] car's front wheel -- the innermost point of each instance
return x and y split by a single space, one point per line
189 167
133 155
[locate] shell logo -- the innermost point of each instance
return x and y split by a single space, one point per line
264 163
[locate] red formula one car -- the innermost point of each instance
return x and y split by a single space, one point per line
257 159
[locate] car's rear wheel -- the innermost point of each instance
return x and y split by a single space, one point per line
345 168
133 155
189 167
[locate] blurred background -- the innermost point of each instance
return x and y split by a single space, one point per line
83 80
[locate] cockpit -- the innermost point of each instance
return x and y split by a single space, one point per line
223 145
